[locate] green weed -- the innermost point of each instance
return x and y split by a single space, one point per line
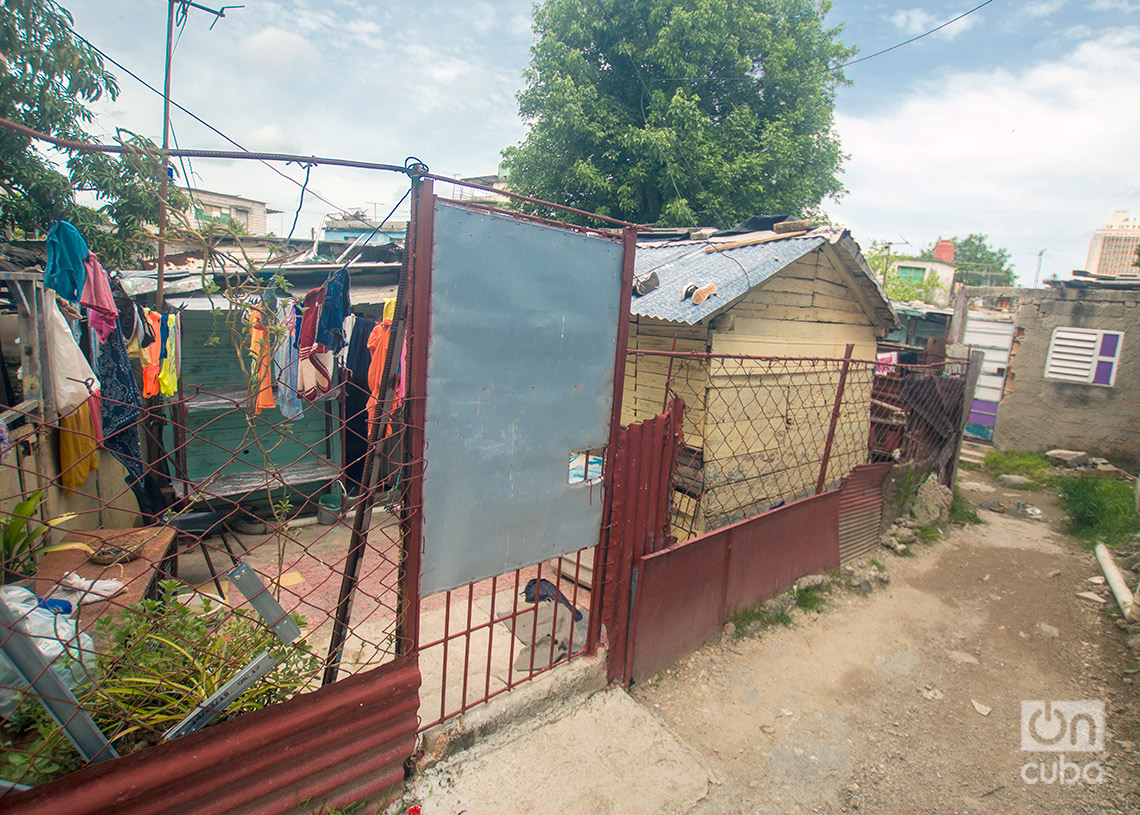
878 564
929 532
962 511
810 599
1031 465
1100 509
744 619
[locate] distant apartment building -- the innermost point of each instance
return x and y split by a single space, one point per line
216 206
1112 250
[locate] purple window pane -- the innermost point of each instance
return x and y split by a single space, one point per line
1103 375
1108 345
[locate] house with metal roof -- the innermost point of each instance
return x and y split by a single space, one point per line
803 294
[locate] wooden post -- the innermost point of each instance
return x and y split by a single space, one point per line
834 417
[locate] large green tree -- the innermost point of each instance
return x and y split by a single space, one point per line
681 111
48 79
977 261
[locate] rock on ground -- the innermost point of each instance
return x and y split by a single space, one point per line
932 506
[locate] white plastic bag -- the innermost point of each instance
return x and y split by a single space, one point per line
56 636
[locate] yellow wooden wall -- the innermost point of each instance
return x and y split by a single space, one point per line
763 426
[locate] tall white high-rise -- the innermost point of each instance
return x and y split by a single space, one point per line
1112 250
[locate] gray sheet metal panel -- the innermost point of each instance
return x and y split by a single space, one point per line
734 271
520 375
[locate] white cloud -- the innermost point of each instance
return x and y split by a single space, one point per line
915 21
1043 8
1116 5
273 50
1037 157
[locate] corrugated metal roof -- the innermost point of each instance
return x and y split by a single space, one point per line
734 272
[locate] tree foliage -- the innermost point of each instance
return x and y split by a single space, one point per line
974 257
681 111
48 79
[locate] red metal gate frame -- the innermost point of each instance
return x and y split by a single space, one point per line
638 512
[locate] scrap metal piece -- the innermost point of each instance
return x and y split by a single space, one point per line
47 686
223 697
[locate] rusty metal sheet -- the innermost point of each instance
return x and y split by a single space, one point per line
679 603
768 553
683 594
638 513
339 744
861 510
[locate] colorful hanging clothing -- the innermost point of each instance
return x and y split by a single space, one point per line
78 453
102 313
285 362
378 346
334 308
169 362
315 361
152 355
66 254
261 349
121 407
73 381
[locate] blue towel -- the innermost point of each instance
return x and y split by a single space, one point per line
66 252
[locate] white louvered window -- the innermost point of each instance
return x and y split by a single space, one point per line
1084 355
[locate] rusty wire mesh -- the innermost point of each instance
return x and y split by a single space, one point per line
760 432
142 659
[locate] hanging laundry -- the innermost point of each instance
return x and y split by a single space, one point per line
285 363
314 378
261 350
78 453
66 254
121 407
358 357
169 362
378 346
330 323
151 354
102 313
70 372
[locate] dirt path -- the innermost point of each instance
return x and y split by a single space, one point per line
869 705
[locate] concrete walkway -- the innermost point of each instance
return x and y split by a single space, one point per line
603 754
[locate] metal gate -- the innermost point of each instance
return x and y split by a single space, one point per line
637 521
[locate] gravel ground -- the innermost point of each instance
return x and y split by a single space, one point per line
909 700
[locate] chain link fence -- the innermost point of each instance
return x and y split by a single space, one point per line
760 432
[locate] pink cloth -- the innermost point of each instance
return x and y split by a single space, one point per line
101 309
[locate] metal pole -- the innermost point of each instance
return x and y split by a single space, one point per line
834 417
163 184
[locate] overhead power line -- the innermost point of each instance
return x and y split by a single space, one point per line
917 37
349 215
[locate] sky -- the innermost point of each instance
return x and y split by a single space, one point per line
1019 121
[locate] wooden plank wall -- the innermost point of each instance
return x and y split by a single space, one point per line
766 424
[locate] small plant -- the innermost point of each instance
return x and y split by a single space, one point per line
962 511
929 532
20 539
878 564
810 599
159 662
1100 509
745 619
1030 465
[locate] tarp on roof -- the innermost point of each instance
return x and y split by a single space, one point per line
734 271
